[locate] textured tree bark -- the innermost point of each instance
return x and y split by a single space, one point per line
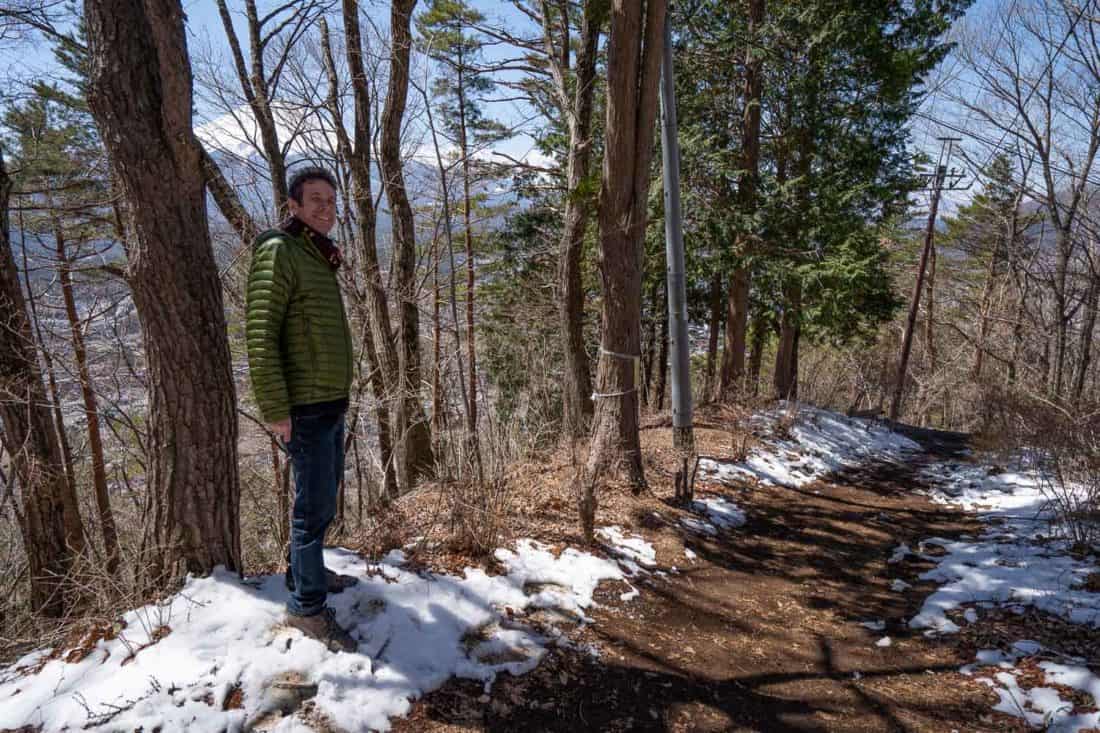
91 408
139 92
417 456
50 524
378 341
577 389
633 71
737 310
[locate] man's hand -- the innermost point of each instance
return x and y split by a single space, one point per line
281 429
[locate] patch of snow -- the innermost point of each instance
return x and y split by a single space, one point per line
820 443
690 554
720 511
717 513
899 585
699 526
874 625
975 487
1043 706
884 642
1006 566
636 550
415 631
1014 564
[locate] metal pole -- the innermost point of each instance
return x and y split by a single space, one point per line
682 435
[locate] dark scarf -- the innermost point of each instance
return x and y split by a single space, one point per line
298 228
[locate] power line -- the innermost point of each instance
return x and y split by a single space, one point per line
1035 84
1000 146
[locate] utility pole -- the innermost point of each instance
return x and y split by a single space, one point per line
683 438
942 180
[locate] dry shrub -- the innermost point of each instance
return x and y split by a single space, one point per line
1061 442
477 512
100 600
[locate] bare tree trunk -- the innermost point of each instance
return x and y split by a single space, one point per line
91 409
378 341
633 71
662 358
1022 294
737 311
792 375
53 533
983 315
228 202
1061 301
448 231
139 92
649 345
254 85
715 323
471 280
51 377
577 389
417 455
437 350
1088 328
756 356
786 365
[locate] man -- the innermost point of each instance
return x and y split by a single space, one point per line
300 362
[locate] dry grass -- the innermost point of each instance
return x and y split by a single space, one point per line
536 500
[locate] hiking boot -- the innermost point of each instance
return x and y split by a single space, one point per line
323 627
334 582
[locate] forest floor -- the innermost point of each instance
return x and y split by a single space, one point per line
832 575
765 628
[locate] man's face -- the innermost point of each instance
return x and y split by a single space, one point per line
317 208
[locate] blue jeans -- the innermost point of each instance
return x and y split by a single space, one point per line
317 453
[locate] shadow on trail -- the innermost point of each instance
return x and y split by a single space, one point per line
761 632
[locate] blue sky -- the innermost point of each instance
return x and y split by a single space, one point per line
29 60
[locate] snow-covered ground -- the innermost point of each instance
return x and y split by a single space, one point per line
175 664
716 513
1017 562
821 442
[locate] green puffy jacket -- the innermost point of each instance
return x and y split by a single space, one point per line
299 343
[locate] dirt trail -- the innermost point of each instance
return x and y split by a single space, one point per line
762 631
